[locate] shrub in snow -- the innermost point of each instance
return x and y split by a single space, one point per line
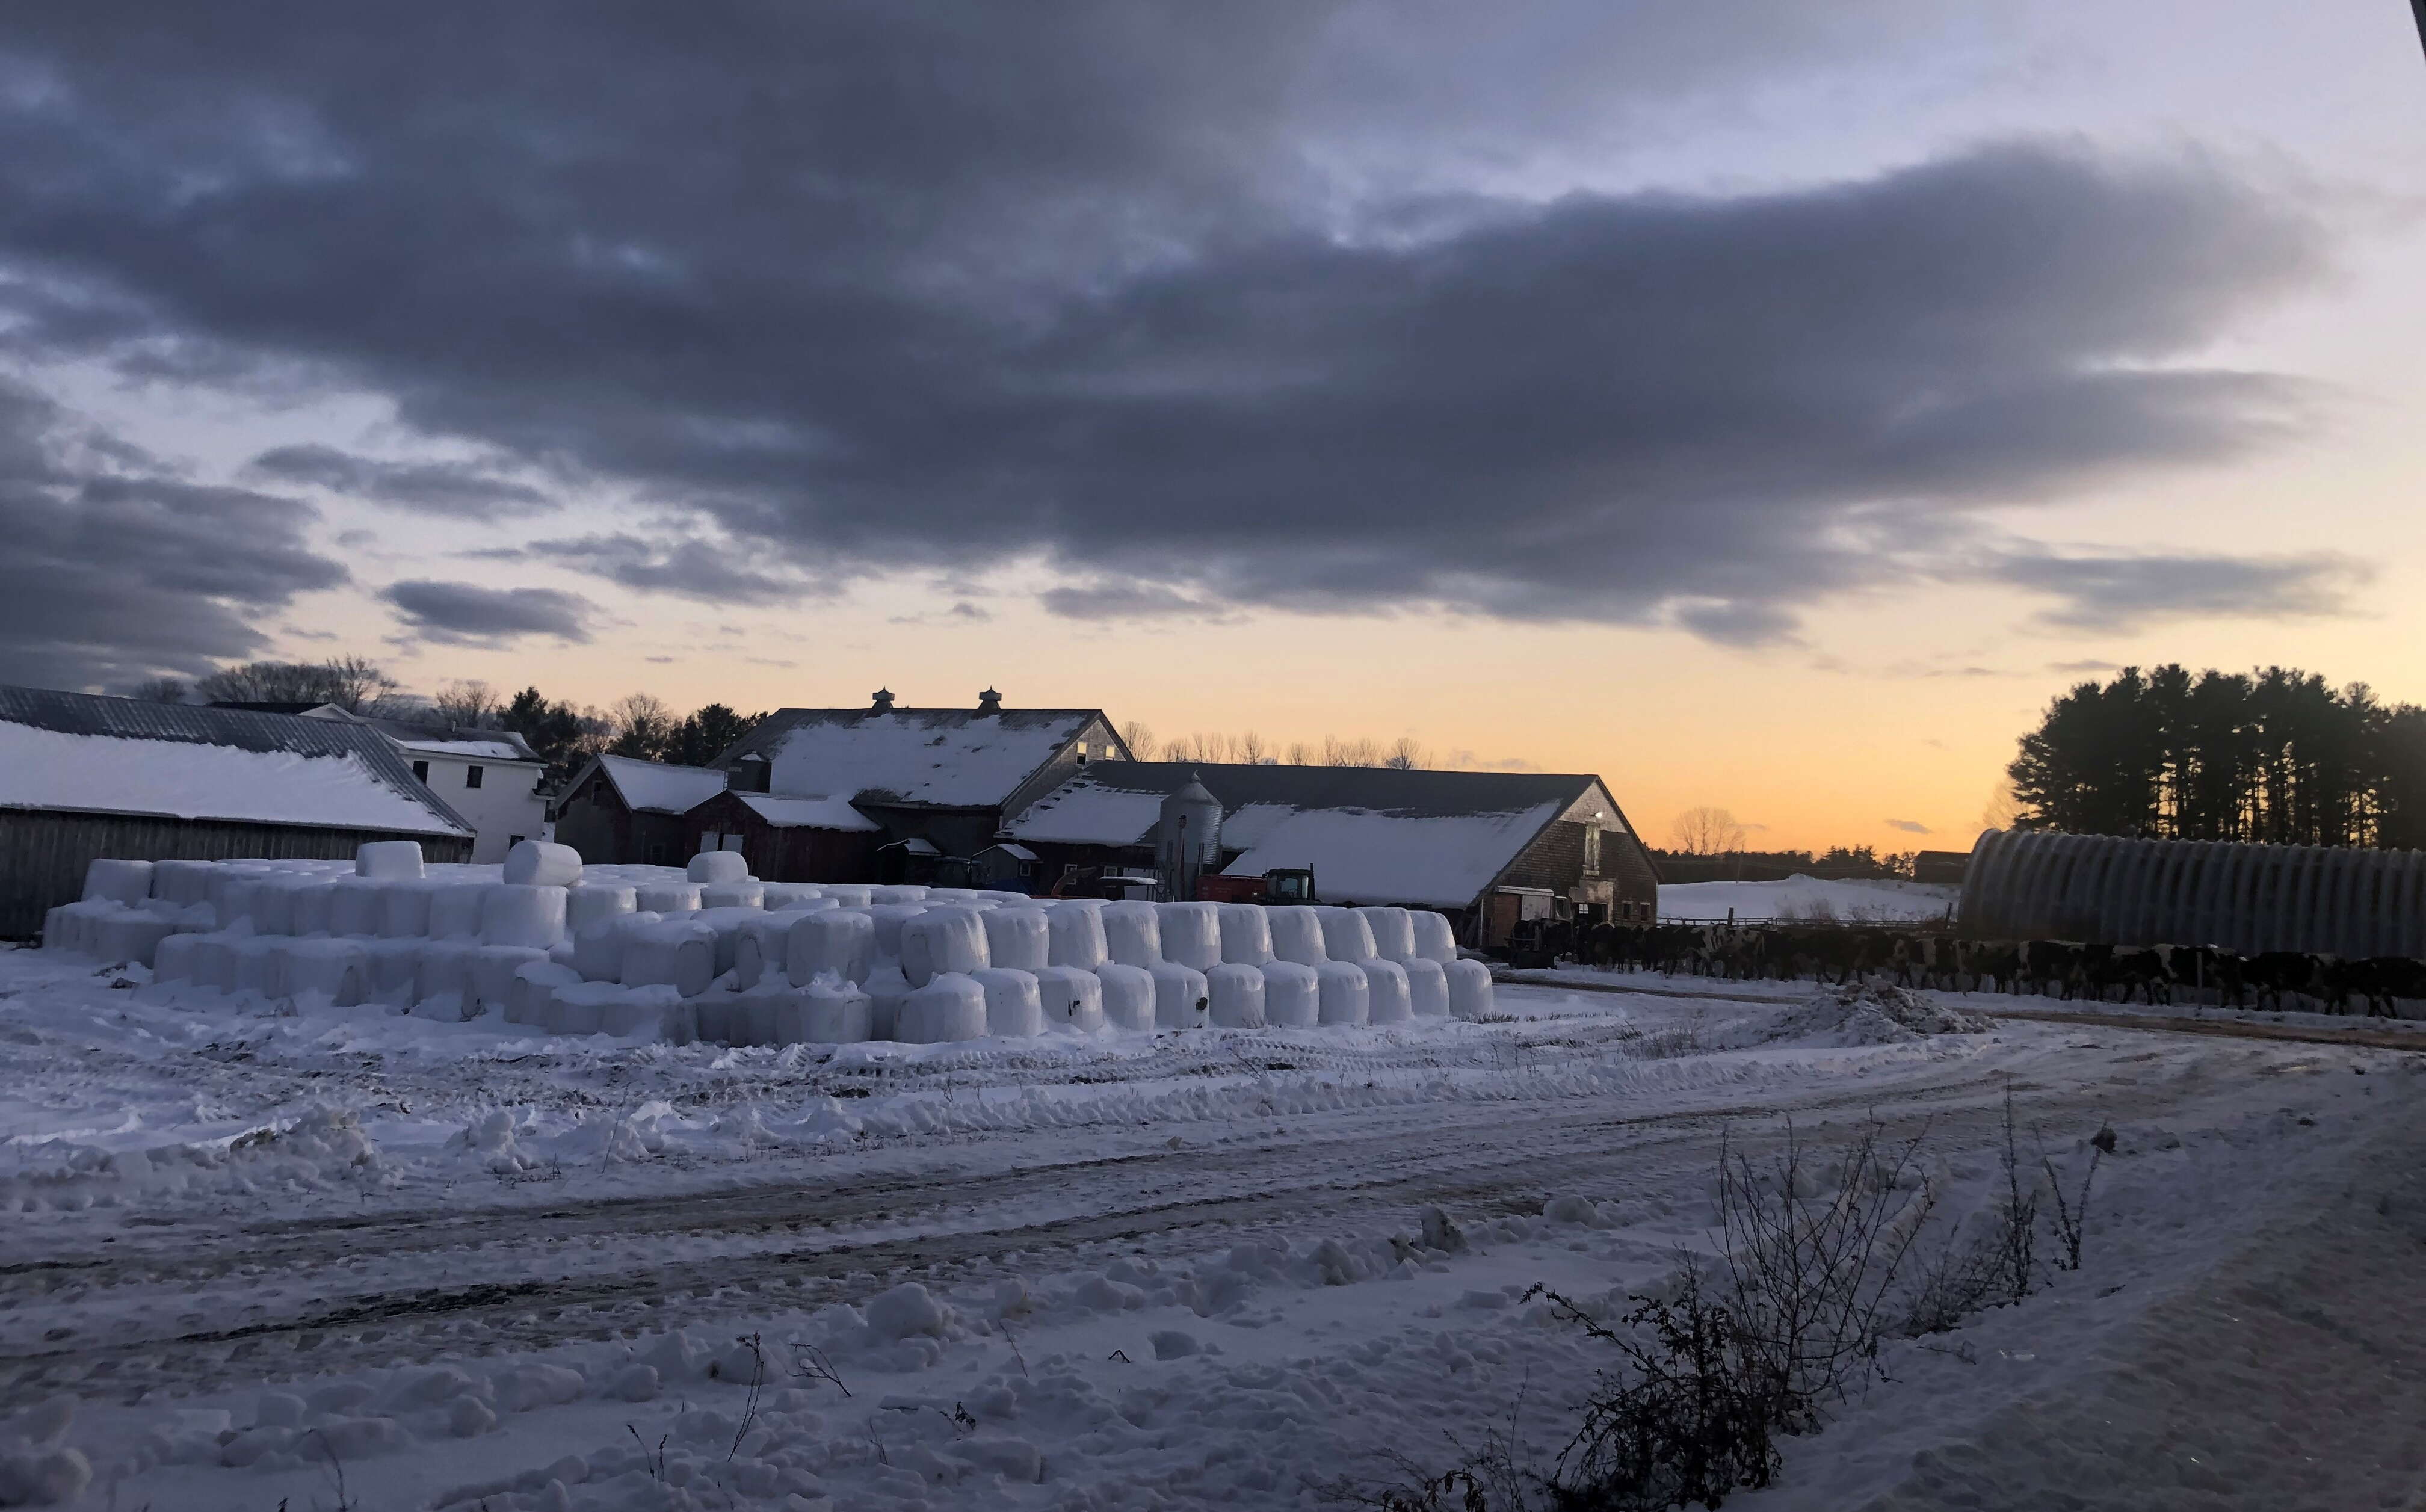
942 939
1181 996
1469 989
1127 995
1297 935
905 1310
834 942
388 861
1018 938
1132 932
1292 995
1073 998
1191 934
1345 997
1427 986
1075 936
1246 934
542 863
1237 993
1015 1003
717 866
118 881
950 1007
1385 991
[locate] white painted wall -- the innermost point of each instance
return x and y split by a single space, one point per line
504 808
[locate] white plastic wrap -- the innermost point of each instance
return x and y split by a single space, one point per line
1191 934
1246 934
174 959
1426 987
131 935
1469 989
1073 998
1292 995
1345 936
887 989
733 895
1347 998
542 863
404 909
728 923
1181 997
717 866
774 896
335 971
442 966
1004 900
850 895
604 1009
1394 932
182 882
837 941
1018 939
1075 937
1435 940
493 968
233 892
1132 932
942 941
388 861
1128 995
666 897
394 964
527 995
829 1011
215 961
1385 991
532 916
952 1006
676 953
355 906
116 882
1297 935
259 964
309 912
455 909
763 947
889 919
896 896
1014 1005
1237 996
598 949
593 901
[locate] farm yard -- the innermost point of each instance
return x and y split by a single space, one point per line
260 1252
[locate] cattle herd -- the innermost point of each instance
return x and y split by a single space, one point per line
2068 968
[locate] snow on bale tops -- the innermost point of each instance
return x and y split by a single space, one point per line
1132 932
1126 994
1297 935
1019 939
942 940
1191 934
1237 994
544 864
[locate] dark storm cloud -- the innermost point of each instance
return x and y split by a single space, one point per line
113 569
469 615
878 287
2122 592
451 488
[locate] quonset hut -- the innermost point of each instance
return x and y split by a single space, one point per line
83 777
2247 899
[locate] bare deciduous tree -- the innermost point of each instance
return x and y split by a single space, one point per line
354 683
1139 737
161 690
1251 749
1406 756
1299 754
469 704
644 726
1707 832
1361 752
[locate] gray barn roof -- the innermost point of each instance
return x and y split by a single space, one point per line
944 757
385 775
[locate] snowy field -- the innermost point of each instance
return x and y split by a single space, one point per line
250 1255
1807 897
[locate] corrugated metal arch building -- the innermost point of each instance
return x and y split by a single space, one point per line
2327 900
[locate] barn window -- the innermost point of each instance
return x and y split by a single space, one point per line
421 771
1591 851
471 777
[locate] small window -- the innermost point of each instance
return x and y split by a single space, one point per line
421 771
1591 851
656 854
511 840
471 777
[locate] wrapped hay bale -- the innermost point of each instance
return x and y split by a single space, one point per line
1345 936
1469 989
1127 995
1181 996
542 863
1297 935
1014 1003
1074 937
1292 995
593 901
838 942
522 915
1246 934
733 895
455 909
355 906
942 940
1426 987
1132 932
887 989
1237 992
184 883
717 866
1387 1000
1393 929
527 995
829 1011
948 1007
492 971
116 882
1346 996
335 971
666 897
389 860
1018 939
676 953
1073 999
1191 934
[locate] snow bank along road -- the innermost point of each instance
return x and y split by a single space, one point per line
247 1251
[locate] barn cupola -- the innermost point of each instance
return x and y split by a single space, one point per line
989 702
882 704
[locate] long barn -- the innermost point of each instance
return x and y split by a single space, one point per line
84 777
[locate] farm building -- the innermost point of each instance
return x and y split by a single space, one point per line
788 839
937 783
621 811
2249 899
84 777
1489 848
490 777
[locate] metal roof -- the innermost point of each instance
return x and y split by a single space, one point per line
1415 794
84 714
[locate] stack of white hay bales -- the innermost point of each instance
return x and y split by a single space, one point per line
711 953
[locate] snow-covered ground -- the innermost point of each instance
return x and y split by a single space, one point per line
1807 897
460 1265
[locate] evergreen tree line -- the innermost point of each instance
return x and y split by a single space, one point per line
2275 756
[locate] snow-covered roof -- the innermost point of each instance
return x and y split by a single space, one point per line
430 738
469 749
77 753
1018 853
955 758
1371 834
807 813
659 788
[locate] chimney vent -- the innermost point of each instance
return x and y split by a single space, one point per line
989 702
883 703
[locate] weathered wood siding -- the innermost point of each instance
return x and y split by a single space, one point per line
43 854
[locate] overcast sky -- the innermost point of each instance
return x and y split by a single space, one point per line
1761 404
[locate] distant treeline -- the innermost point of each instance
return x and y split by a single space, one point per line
2275 756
